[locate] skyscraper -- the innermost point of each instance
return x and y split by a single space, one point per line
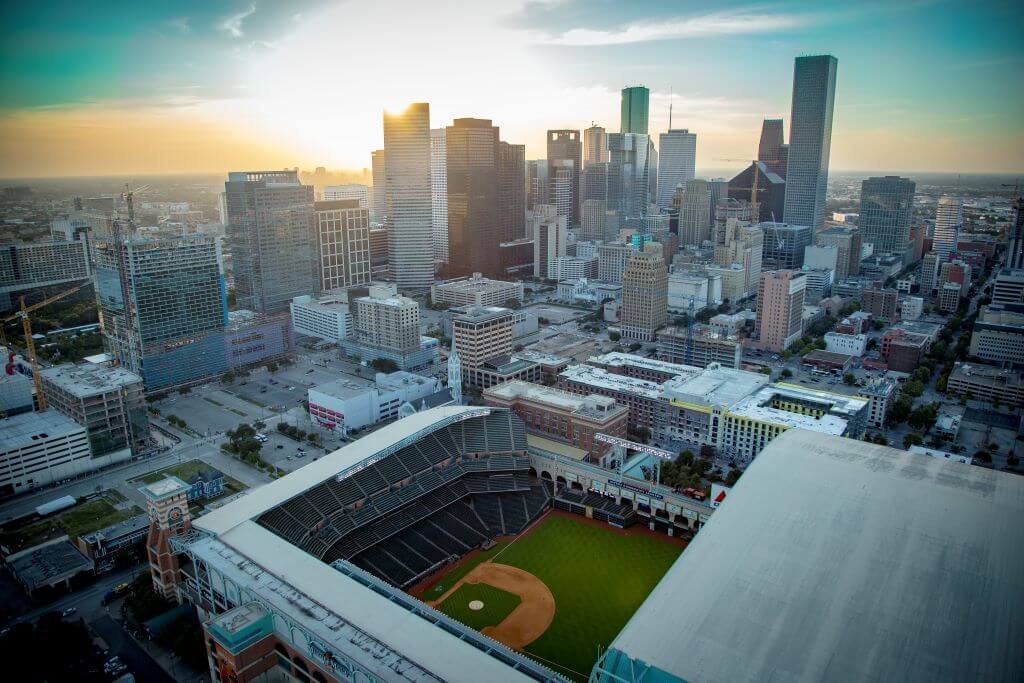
848 242
595 146
644 296
784 245
343 237
635 105
718 190
810 139
474 228
595 182
512 191
536 183
949 218
761 187
886 209
769 148
695 213
629 174
550 233
379 190
407 177
439 195
1015 248
676 163
780 302
272 238
565 153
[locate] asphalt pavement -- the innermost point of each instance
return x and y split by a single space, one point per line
138 661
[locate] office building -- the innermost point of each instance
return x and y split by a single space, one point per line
784 245
770 148
998 335
482 333
881 394
39 448
698 347
474 228
740 256
595 146
163 306
575 268
107 400
985 383
550 234
439 194
819 284
536 183
634 109
695 213
327 318
810 139
565 162
476 291
629 173
846 344
272 238
847 241
693 289
379 190
1008 287
345 405
511 193
386 325
886 212
903 351
1015 245
361 193
644 296
780 301
30 265
911 308
677 161
407 188
881 303
343 243
949 218
826 257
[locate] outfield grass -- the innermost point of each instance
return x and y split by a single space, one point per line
446 581
598 578
498 604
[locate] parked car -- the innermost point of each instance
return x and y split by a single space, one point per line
68 612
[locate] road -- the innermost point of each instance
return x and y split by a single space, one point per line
131 653
88 601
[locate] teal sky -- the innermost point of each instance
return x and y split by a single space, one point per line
118 87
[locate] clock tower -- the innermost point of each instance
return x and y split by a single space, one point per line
167 503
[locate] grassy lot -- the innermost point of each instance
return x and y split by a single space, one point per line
183 471
81 519
498 604
598 577
446 581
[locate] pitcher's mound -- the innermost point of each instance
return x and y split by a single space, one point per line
476 605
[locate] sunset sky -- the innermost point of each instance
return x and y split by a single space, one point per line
97 88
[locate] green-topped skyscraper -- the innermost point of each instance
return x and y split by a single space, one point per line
635 105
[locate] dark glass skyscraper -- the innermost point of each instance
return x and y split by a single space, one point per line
886 210
272 238
635 106
474 227
565 146
810 139
512 190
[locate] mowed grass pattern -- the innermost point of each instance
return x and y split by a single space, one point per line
498 604
598 577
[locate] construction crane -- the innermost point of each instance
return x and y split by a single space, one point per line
30 346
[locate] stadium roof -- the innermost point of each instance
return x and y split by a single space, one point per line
838 559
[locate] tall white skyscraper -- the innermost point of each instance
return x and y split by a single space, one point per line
595 146
810 139
408 205
676 163
949 218
439 195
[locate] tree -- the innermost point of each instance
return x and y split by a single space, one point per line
912 439
513 304
913 388
900 410
787 373
849 379
880 439
384 365
635 346
228 377
614 336
272 366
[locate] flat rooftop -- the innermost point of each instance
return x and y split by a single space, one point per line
27 428
601 378
83 380
836 559
590 406
48 564
715 385
618 359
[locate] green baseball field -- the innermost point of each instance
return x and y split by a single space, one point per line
597 575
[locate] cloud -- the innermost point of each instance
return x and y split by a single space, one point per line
233 24
734 22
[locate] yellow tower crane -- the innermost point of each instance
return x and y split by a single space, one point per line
30 346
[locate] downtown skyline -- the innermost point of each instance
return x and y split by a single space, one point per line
266 88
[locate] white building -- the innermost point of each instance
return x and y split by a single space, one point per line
476 291
949 218
575 268
550 234
37 449
881 394
677 160
439 194
344 405
588 292
351 191
849 344
911 308
327 318
704 290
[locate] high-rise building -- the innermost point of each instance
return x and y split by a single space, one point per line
536 183
644 296
439 195
407 178
361 193
677 163
560 189
512 191
949 220
380 186
810 139
565 161
386 320
1015 247
695 213
762 188
592 225
769 149
162 304
718 190
886 210
611 261
629 170
784 245
343 243
780 302
635 106
881 303
481 333
271 237
595 182
741 250
595 146
474 228
550 232
848 243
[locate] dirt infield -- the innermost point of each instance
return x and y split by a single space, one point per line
529 619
